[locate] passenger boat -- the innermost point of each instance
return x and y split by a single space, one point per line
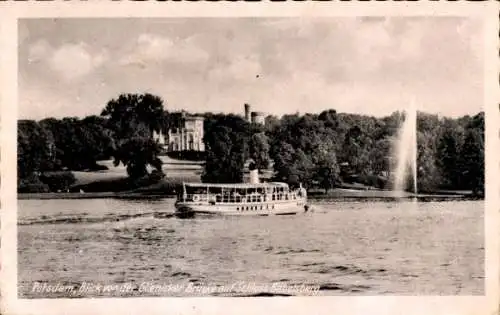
272 198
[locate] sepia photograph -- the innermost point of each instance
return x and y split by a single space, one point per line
250 156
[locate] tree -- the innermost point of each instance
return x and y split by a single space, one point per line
326 170
448 157
96 138
283 159
271 122
428 176
65 140
79 143
380 156
135 115
226 138
34 149
356 150
136 154
302 169
472 160
476 122
133 118
329 117
259 150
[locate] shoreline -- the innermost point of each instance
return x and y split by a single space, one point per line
331 195
90 195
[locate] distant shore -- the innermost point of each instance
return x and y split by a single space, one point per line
332 194
90 195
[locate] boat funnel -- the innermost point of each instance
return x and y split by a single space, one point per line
254 176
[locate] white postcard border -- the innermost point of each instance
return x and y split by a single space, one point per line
9 14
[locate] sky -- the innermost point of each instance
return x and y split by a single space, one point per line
365 65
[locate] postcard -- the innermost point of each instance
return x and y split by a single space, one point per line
207 158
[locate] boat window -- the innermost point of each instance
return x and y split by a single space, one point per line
215 190
196 190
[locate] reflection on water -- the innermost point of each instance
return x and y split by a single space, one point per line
339 248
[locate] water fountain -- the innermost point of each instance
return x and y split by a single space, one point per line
406 152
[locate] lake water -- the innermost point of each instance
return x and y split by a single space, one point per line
112 247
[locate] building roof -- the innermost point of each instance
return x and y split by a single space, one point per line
236 185
194 118
258 113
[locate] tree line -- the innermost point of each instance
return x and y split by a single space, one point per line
123 131
324 150
332 149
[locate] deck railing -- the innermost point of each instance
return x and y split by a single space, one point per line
254 198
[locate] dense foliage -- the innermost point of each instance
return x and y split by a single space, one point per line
331 149
225 141
133 118
123 131
78 143
322 150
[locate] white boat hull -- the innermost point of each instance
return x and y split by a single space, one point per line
245 209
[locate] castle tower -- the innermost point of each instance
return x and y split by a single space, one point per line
247 112
258 118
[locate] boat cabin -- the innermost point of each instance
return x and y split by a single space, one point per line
236 193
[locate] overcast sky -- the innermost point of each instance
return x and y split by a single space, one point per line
374 66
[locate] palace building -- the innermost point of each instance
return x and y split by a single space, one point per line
185 134
186 131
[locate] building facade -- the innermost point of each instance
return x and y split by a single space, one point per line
185 134
188 136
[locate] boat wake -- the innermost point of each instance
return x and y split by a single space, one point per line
82 218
